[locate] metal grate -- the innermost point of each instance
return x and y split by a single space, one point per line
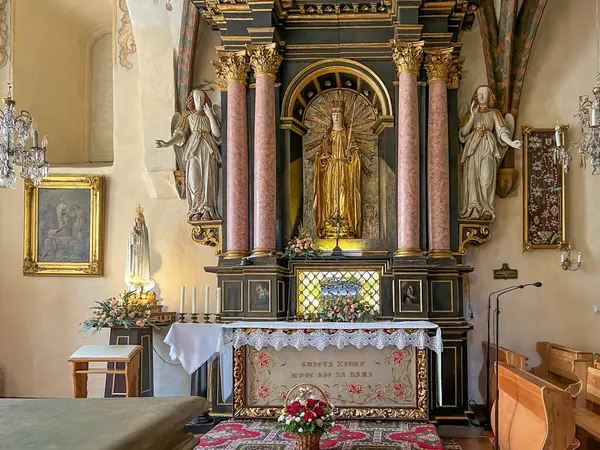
314 286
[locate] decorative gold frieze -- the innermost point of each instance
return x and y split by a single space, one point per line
472 233
232 67
125 38
265 59
438 64
408 57
455 73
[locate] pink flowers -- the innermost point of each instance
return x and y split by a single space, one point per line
263 360
399 390
398 357
379 395
303 246
125 312
263 391
345 308
355 389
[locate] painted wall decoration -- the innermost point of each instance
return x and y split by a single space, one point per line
63 226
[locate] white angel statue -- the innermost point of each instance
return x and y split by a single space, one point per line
198 132
486 136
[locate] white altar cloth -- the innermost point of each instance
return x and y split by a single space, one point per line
193 344
312 334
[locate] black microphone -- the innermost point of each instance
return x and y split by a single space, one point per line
513 288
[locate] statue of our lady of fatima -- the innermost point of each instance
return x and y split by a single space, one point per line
137 272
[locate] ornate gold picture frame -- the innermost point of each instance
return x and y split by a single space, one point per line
544 217
64 226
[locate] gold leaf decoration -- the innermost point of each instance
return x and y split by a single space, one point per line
438 64
125 37
408 57
265 59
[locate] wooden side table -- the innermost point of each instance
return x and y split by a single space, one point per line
129 355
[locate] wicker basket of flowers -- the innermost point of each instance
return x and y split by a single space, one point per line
305 416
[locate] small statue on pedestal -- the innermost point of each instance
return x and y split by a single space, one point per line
137 271
486 136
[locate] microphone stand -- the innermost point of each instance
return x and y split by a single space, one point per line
497 313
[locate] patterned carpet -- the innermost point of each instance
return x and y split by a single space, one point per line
347 435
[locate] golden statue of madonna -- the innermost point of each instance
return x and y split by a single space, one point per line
340 124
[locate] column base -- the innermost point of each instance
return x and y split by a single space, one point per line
440 254
236 254
408 252
264 253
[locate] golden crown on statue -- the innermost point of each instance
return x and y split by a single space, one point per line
139 210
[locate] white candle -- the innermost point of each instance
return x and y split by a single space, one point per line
594 118
562 258
206 299
218 300
193 299
182 299
557 136
579 258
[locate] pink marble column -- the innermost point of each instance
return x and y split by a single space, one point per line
265 61
438 175
408 58
232 70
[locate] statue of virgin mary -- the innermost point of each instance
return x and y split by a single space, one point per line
137 271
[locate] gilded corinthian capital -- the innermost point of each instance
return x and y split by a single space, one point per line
408 57
265 59
454 74
438 64
232 67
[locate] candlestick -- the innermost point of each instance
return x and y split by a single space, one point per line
194 318
594 118
206 299
562 258
182 299
218 301
579 258
206 318
181 317
218 318
194 299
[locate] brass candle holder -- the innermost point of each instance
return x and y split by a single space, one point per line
181 318
218 318
206 318
194 318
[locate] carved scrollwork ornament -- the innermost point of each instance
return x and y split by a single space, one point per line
408 57
232 67
438 64
454 74
265 59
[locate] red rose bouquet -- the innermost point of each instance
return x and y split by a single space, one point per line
306 415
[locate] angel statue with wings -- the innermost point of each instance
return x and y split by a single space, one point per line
486 136
198 132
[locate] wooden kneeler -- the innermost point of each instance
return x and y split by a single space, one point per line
130 355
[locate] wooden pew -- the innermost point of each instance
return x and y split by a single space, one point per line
533 413
558 364
505 356
587 410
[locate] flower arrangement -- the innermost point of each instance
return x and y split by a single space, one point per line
345 308
303 246
306 417
122 312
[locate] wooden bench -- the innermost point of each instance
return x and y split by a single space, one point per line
558 366
587 418
533 413
505 356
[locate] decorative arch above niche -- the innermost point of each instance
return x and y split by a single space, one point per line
333 74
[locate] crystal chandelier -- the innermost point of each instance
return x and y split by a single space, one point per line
587 145
15 130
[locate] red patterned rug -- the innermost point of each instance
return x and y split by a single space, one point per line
346 435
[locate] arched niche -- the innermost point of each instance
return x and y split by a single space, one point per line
317 81
334 74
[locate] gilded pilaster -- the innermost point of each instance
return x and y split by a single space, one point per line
455 73
408 57
438 64
265 59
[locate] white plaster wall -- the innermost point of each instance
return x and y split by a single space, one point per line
40 316
101 125
562 67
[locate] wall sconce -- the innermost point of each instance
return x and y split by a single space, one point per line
567 263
